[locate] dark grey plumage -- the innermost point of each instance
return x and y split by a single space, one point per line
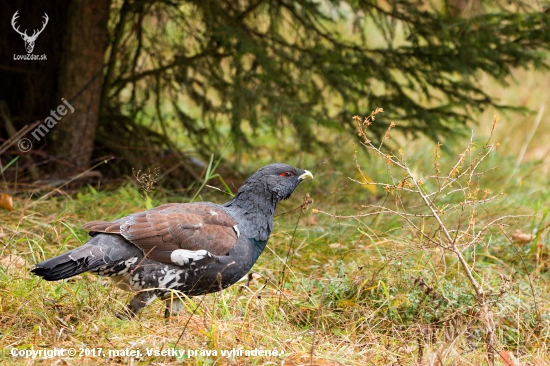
193 248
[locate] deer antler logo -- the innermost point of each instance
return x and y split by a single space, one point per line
29 41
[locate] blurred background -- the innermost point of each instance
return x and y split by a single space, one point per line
170 84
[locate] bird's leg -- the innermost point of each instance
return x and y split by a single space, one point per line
174 305
138 302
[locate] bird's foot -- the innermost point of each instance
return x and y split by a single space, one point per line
174 306
138 302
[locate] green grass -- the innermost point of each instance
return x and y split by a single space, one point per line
330 290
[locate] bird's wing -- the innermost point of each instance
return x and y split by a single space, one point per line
175 233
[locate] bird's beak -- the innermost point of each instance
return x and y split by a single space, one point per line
306 175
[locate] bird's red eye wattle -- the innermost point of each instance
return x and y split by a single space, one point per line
286 174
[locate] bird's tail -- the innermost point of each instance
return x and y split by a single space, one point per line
82 259
101 250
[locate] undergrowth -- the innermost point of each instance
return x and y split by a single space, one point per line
407 255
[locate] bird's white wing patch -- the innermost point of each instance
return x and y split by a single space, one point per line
237 231
184 256
167 276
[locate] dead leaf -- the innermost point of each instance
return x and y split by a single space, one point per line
365 179
310 220
522 238
12 262
6 202
509 358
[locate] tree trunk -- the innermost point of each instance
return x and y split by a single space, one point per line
80 83
73 42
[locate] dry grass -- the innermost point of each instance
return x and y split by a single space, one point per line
361 286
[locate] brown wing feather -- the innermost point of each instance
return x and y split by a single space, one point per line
102 227
169 227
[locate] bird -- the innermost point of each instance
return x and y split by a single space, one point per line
181 248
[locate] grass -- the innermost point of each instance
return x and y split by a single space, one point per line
328 289
355 288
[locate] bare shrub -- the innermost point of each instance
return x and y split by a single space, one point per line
447 212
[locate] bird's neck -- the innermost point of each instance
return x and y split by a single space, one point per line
254 215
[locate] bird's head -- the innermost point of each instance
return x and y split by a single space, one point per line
278 180
254 204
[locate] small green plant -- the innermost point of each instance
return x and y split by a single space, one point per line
209 175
